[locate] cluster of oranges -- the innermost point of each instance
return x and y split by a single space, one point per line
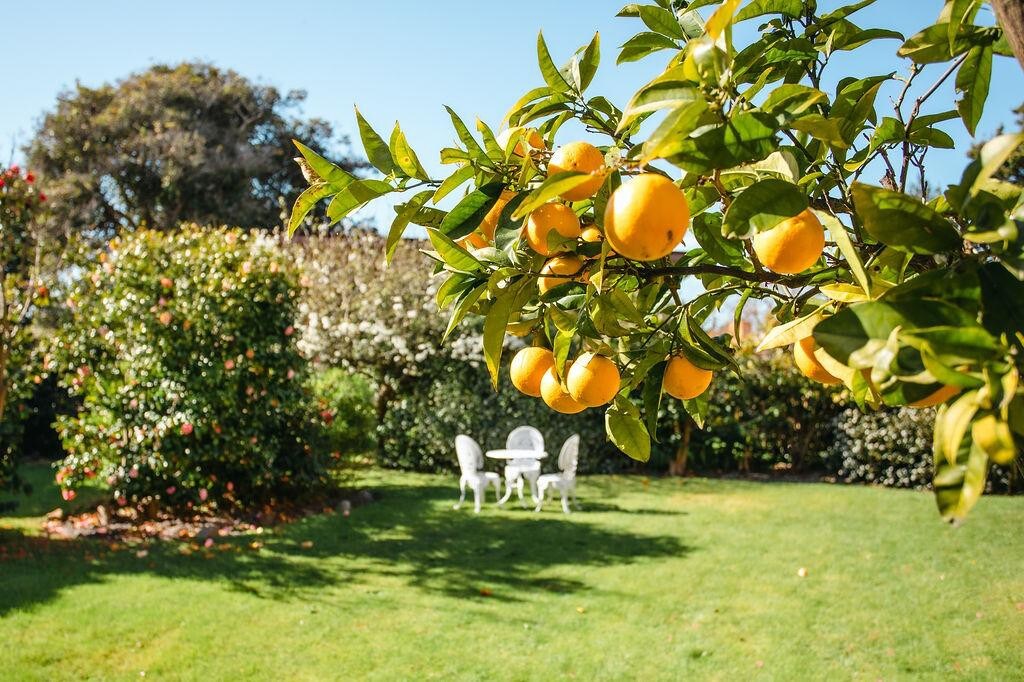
644 220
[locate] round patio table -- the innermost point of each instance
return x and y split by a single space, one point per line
521 464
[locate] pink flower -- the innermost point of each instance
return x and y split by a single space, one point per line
289 330
186 429
291 373
67 494
208 543
122 500
229 365
171 490
165 318
230 486
166 282
203 494
254 440
133 472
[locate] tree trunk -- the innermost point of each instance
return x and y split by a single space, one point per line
384 396
677 467
1010 14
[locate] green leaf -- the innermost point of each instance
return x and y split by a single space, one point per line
452 182
472 146
761 207
509 301
792 331
972 81
454 256
679 123
749 136
463 305
837 231
552 76
958 486
662 21
828 130
788 8
469 213
376 149
337 177
903 222
405 157
666 91
555 185
305 202
791 100
628 434
355 195
589 61
643 44
652 392
855 334
404 215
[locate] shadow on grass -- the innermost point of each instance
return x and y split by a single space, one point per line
411 536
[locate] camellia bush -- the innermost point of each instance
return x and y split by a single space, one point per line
904 299
29 252
182 353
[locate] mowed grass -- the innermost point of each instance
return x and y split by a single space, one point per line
659 579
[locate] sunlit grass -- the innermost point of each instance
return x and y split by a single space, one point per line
660 579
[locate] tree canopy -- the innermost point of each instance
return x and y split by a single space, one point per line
183 143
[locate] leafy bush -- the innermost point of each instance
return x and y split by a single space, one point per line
182 351
894 448
345 402
419 431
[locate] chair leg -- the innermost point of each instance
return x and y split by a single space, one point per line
462 494
572 490
497 490
565 499
508 492
539 499
533 485
478 493
519 491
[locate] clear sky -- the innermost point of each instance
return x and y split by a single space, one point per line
398 59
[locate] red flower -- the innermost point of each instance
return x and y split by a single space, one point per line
289 330
229 365
30 177
186 429
203 494
2 183
42 197
68 495
171 490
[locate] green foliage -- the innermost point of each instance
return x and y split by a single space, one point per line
182 352
173 144
345 402
28 259
909 294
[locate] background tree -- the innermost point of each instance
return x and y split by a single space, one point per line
30 251
172 144
904 300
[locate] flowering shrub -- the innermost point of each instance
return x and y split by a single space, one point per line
345 404
894 448
182 350
25 258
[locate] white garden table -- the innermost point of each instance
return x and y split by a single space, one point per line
521 463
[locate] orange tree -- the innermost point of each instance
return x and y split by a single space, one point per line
904 299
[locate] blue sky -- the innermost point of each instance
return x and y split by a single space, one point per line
398 59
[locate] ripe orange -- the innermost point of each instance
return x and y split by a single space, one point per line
558 270
528 367
685 380
581 157
793 245
532 139
940 396
592 380
550 217
803 354
555 395
473 240
646 218
591 234
490 222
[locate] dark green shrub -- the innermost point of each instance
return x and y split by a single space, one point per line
345 402
182 351
419 430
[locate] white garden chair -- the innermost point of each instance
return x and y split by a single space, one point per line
565 481
523 438
471 460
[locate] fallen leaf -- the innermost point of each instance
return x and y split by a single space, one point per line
802 572
306 544
580 609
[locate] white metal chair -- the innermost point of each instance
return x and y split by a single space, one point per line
471 459
564 482
523 438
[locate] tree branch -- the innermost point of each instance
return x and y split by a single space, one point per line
1010 15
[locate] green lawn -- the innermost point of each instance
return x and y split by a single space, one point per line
662 580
